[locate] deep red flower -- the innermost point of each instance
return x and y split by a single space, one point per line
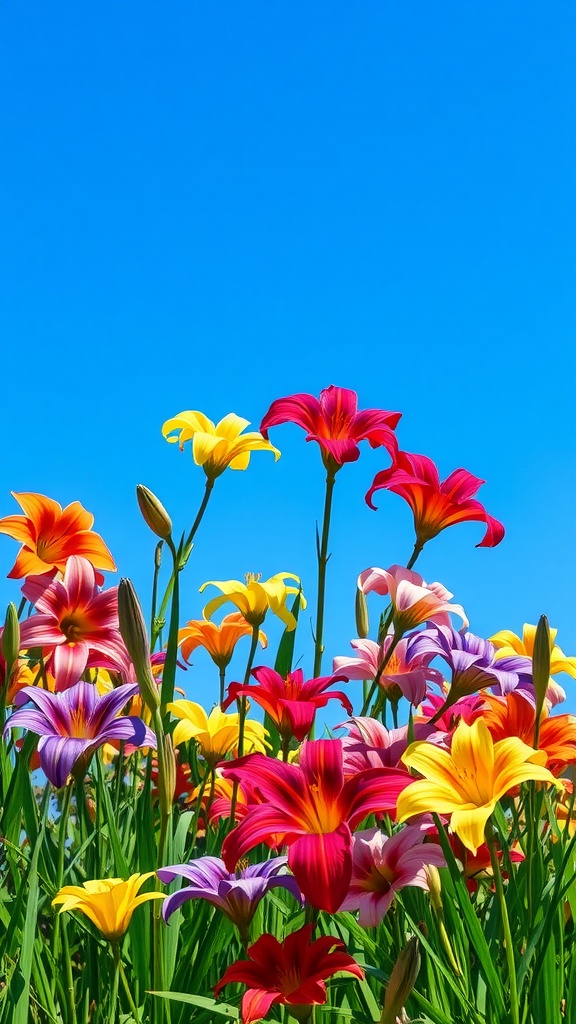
292 972
436 505
290 702
310 808
335 423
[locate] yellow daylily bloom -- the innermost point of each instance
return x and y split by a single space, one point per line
253 598
468 781
218 446
217 733
108 902
508 643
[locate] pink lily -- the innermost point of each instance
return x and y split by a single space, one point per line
310 808
413 600
76 625
403 673
335 423
381 866
436 505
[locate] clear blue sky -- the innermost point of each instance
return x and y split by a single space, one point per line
208 206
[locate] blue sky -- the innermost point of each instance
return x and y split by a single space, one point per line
208 206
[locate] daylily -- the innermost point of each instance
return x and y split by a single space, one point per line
479 865
236 894
335 423
436 505
73 724
382 865
515 715
413 600
218 641
313 810
108 902
508 644
216 734
370 745
76 625
290 702
468 781
253 598
49 536
471 659
406 672
216 447
291 973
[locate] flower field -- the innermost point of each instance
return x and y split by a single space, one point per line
163 862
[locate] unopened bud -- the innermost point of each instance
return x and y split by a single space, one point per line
435 887
402 981
166 774
541 669
133 630
11 638
362 620
154 513
158 554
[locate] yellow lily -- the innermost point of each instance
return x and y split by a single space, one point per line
217 733
468 781
218 446
253 598
108 902
508 643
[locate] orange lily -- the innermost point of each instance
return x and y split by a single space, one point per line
219 641
515 715
468 781
49 536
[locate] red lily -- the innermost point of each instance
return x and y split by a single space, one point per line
77 626
312 810
292 972
334 421
290 702
436 505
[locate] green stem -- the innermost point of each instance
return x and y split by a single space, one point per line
241 703
222 674
157 564
395 641
509 948
323 556
417 550
120 971
62 833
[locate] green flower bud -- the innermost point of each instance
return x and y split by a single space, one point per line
11 638
154 513
133 630
362 621
402 980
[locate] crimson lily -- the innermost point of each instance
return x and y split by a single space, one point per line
335 423
292 972
290 702
76 625
310 808
436 504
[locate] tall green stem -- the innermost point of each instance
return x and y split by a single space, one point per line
323 556
509 948
395 641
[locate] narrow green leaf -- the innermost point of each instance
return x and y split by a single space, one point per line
220 1009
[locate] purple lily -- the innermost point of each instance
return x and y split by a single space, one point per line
236 895
74 723
471 659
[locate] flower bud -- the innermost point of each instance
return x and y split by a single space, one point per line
166 774
402 980
133 630
362 621
435 887
11 639
154 513
541 669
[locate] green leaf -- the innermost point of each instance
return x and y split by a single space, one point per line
221 1009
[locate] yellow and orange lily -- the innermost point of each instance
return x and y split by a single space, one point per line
219 446
469 780
108 902
218 641
217 733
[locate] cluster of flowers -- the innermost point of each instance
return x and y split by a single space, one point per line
75 677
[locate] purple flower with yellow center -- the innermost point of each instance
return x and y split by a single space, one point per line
236 894
472 661
73 724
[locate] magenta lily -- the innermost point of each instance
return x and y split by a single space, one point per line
413 600
436 505
313 810
290 702
381 866
406 673
335 423
73 724
76 625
